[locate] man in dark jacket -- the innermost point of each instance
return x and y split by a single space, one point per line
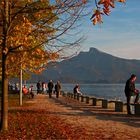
130 90
50 88
57 89
38 85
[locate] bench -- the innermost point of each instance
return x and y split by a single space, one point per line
13 92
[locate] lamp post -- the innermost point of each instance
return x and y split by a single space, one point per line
20 96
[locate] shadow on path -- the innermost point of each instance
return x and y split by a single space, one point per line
72 108
77 108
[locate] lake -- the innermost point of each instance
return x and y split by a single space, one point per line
107 91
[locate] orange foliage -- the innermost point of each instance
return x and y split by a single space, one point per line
103 7
28 30
84 1
121 0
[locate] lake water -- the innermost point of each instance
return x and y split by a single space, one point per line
107 91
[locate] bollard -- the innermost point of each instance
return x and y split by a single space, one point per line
64 94
104 103
74 95
118 106
137 109
94 101
71 95
78 97
87 99
82 98
68 94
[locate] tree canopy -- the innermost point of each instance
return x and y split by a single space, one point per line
32 28
27 30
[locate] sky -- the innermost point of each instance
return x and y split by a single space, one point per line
119 35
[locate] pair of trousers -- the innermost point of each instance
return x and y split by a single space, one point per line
57 94
128 102
50 93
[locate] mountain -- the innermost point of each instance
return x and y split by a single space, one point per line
91 67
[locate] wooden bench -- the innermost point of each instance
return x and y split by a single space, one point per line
13 92
29 95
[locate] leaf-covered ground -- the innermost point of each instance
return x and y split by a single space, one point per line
65 118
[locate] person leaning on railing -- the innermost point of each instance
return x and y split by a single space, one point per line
76 90
130 90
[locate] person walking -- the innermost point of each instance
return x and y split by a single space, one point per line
43 87
38 85
57 89
50 88
31 91
130 90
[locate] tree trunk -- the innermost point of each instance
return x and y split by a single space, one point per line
4 105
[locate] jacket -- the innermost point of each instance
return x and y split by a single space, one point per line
129 87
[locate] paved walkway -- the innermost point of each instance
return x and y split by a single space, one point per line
105 123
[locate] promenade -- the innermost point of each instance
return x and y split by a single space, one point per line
95 122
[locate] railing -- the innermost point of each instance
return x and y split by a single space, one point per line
117 106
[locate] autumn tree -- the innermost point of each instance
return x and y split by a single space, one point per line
15 40
28 28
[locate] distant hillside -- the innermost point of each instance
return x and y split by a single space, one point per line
91 67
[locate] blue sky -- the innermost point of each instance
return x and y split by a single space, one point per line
119 35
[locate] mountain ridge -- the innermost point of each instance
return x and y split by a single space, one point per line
93 66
